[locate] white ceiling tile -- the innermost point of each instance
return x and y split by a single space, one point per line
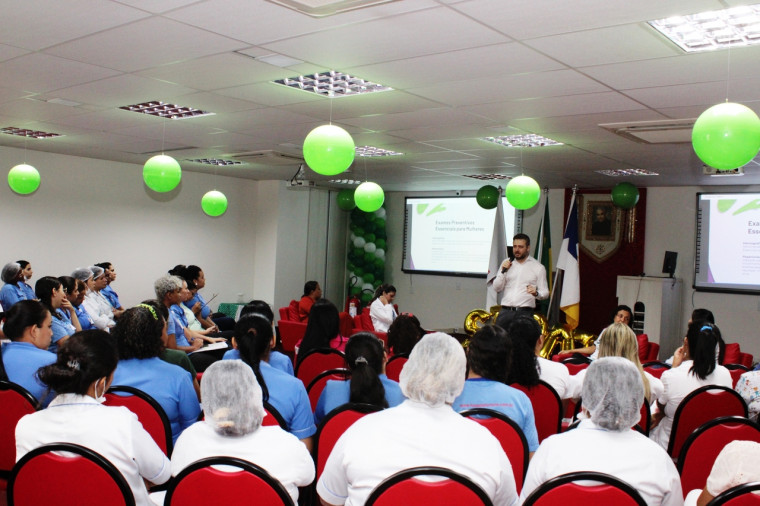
705 94
386 102
38 110
419 118
39 73
122 90
271 94
7 52
213 102
157 7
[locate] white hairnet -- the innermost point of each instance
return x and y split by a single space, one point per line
82 274
232 399
10 271
612 393
435 371
96 271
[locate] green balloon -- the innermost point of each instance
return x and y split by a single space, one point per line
380 243
328 150
356 290
380 222
23 179
487 197
370 237
377 283
366 297
368 278
359 270
369 197
380 234
214 203
523 192
346 199
162 173
726 136
369 258
625 195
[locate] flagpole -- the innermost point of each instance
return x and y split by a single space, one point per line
556 274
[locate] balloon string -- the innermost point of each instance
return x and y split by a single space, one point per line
331 100
163 137
728 69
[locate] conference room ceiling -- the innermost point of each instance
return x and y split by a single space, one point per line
460 71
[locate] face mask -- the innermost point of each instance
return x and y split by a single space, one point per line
102 397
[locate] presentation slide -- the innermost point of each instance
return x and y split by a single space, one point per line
450 235
728 242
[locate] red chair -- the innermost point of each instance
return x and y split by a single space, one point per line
734 355
394 366
363 323
403 488
703 446
149 412
655 368
741 495
509 435
317 361
315 387
547 408
565 490
273 417
648 350
201 484
576 364
16 402
700 406
736 371
43 476
290 334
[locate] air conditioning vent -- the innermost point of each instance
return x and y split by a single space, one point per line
653 132
267 157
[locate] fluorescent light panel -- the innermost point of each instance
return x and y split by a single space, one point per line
214 161
627 172
707 31
345 181
23 132
371 151
332 83
166 110
522 141
488 177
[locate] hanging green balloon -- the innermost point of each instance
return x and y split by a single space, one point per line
726 136
345 199
523 192
369 196
328 150
214 203
487 197
625 195
162 173
24 179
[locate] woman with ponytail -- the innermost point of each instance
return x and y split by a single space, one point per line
253 339
52 294
489 357
81 376
693 367
368 384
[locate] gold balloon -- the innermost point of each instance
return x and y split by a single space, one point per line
584 339
541 319
475 320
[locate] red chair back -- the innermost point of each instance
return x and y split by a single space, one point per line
547 408
149 412
741 495
316 361
294 314
81 476
284 313
510 436
333 426
565 491
16 402
273 417
346 324
655 368
394 366
703 446
201 484
736 371
699 407
574 368
290 333
314 389
404 488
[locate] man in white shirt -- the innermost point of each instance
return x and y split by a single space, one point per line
520 281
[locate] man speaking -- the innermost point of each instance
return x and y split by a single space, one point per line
520 281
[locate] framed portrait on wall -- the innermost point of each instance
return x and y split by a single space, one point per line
601 226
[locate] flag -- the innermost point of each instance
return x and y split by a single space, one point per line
543 253
570 297
498 253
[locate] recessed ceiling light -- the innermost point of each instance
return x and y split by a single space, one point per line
332 84
488 177
214 161
279 60
522 141
165 110
627 172
345 181
707 31
373 151
320 8
23 132
61 101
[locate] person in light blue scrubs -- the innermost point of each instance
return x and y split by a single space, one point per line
12 275
26 270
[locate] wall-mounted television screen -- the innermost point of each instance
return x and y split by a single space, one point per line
451 236
727 257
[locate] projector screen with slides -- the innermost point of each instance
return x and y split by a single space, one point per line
727 255
451 236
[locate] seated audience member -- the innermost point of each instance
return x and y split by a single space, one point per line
111 296
604 442
693 367
276 359
622 314
422 431
26 270
28 325
311 294
322 330
71 287
52 295
620 341
81 376
381 310
232 401
404 333
527 366
489 357
83 276
286 394
706 316
368 384
196 280
735 465
748 387
138 339
11 292
96 304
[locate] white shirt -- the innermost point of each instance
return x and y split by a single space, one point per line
677 383
626 455
382 315
99 309
748 387
513 283
192 320
557 375
280 453
410 435
111 431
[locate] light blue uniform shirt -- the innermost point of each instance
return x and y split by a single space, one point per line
337 393
113 297
276 359
84 318
61 328
28 291
205 310
177 324
288 396
10 294
21 361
